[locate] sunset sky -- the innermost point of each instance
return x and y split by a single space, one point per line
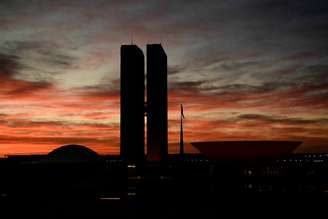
243 69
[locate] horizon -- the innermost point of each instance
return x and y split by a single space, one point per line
243 71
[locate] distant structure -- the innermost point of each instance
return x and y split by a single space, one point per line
73 154
157 140
132 103
134 107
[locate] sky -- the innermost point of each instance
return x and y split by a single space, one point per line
243 69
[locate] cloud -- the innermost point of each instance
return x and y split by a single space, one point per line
22 89
11 87
8 66
189 85
284 120
175 69
313 74
38 60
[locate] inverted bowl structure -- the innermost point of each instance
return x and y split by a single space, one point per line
245 149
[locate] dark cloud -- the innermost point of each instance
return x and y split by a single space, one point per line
59 141
9 65
257 117
237 65
24 88
306 79
43 52
186 85
36 62
305 55
292 8
18 47
12 87
245 88
11 122
314 74
99 96
95 89
176 69
283 120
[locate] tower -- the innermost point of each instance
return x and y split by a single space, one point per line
157 140
132 103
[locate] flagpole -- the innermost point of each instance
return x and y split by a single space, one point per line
181 131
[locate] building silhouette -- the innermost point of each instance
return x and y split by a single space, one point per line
133 107
132 103
157 141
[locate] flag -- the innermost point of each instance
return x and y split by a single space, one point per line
182 116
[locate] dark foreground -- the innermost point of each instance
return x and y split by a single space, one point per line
188 187
258 206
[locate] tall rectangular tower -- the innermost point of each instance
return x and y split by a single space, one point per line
157 141
132 103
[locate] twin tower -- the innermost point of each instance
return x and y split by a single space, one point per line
134 105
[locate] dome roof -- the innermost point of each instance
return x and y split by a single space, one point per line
73 153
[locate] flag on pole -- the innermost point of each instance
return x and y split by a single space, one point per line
182 116
181 131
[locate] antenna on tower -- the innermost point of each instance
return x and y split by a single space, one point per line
131 39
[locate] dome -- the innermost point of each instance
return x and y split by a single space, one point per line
73 153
